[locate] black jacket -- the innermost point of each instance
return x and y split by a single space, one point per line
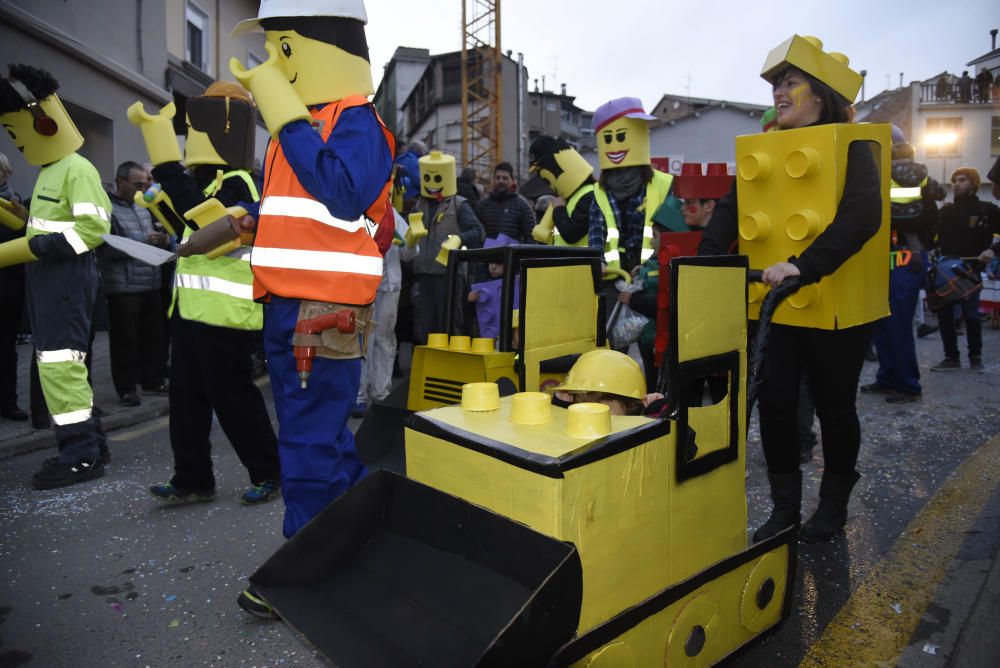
967 226
509 214
858 218
186 187
575 227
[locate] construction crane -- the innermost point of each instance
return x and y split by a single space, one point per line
482 85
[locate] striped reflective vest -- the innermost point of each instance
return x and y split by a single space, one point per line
900 195
656 192
69 200
301 250
570 207
218 292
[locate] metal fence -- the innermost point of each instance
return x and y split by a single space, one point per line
958 93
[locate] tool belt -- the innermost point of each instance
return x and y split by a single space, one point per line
331 343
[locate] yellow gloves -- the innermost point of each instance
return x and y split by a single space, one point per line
453 242
15 252
157 132
416 231
543 232
276 99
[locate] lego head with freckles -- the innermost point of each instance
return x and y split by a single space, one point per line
34 117
621 129
323 49
437 176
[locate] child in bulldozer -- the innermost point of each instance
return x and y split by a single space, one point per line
607 377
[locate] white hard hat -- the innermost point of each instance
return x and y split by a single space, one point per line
271 9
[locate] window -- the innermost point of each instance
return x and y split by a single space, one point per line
943 135
196 37
995 135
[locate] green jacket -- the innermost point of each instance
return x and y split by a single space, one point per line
69 209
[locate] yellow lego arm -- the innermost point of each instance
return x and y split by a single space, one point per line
157 132
416 231
276 98
543 232
453 242
9 215
161 199
15 252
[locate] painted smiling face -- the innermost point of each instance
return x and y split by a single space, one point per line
623 143
39 149
318 71
437 176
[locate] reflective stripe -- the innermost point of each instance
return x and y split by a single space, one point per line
611 256
904 192
302 207
646 253
612 233
214 284
647 232
54 226
289 258
88 209
73 417
64 355
78 244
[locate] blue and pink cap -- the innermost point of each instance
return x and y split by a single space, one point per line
629 107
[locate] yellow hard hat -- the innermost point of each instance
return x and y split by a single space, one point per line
605 371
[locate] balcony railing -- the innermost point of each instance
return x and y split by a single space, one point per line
956 93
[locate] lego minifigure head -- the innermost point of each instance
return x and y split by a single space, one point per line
324 51
559 164
621 128
437 176
35 118
221 127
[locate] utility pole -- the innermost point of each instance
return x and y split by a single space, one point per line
482 85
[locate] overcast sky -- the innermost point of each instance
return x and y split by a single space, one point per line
645 48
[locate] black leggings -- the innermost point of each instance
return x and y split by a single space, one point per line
832 361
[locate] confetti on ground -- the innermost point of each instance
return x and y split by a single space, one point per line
931 649
170 598
898 608
174 623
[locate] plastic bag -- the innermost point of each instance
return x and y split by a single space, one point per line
625 325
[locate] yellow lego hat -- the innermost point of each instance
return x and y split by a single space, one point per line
437 175
34 116
807 54
605 371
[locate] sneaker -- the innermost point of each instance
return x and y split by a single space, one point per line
875 388
976 364
947 364
104 459
162 388
170 494
266 491
130 399
923 329
56 474
903 397
251 602
359 409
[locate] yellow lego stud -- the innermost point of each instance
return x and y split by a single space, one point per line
755 226
806 53
482 345
588 421
802 225
437 340
531 408
480 397
460 343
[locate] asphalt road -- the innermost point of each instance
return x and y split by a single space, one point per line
99 574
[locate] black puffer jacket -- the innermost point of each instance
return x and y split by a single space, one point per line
507 213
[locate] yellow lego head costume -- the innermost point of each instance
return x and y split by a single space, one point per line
806 53
437 176
622 131
221 127
559 164
322 46
35 118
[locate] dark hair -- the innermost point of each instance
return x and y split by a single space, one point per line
504 167
343 33
835 106
647 174
126 167
39 82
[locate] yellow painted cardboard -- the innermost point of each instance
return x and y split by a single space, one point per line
198 149
806 53
623 143
437 175
437 374
157 132
789 187
37 149
575 170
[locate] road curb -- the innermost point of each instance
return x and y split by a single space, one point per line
44 438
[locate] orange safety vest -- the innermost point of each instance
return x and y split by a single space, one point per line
301 251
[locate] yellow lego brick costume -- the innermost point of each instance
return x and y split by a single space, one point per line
811 201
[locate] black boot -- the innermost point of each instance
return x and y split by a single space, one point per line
831 515
786 493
